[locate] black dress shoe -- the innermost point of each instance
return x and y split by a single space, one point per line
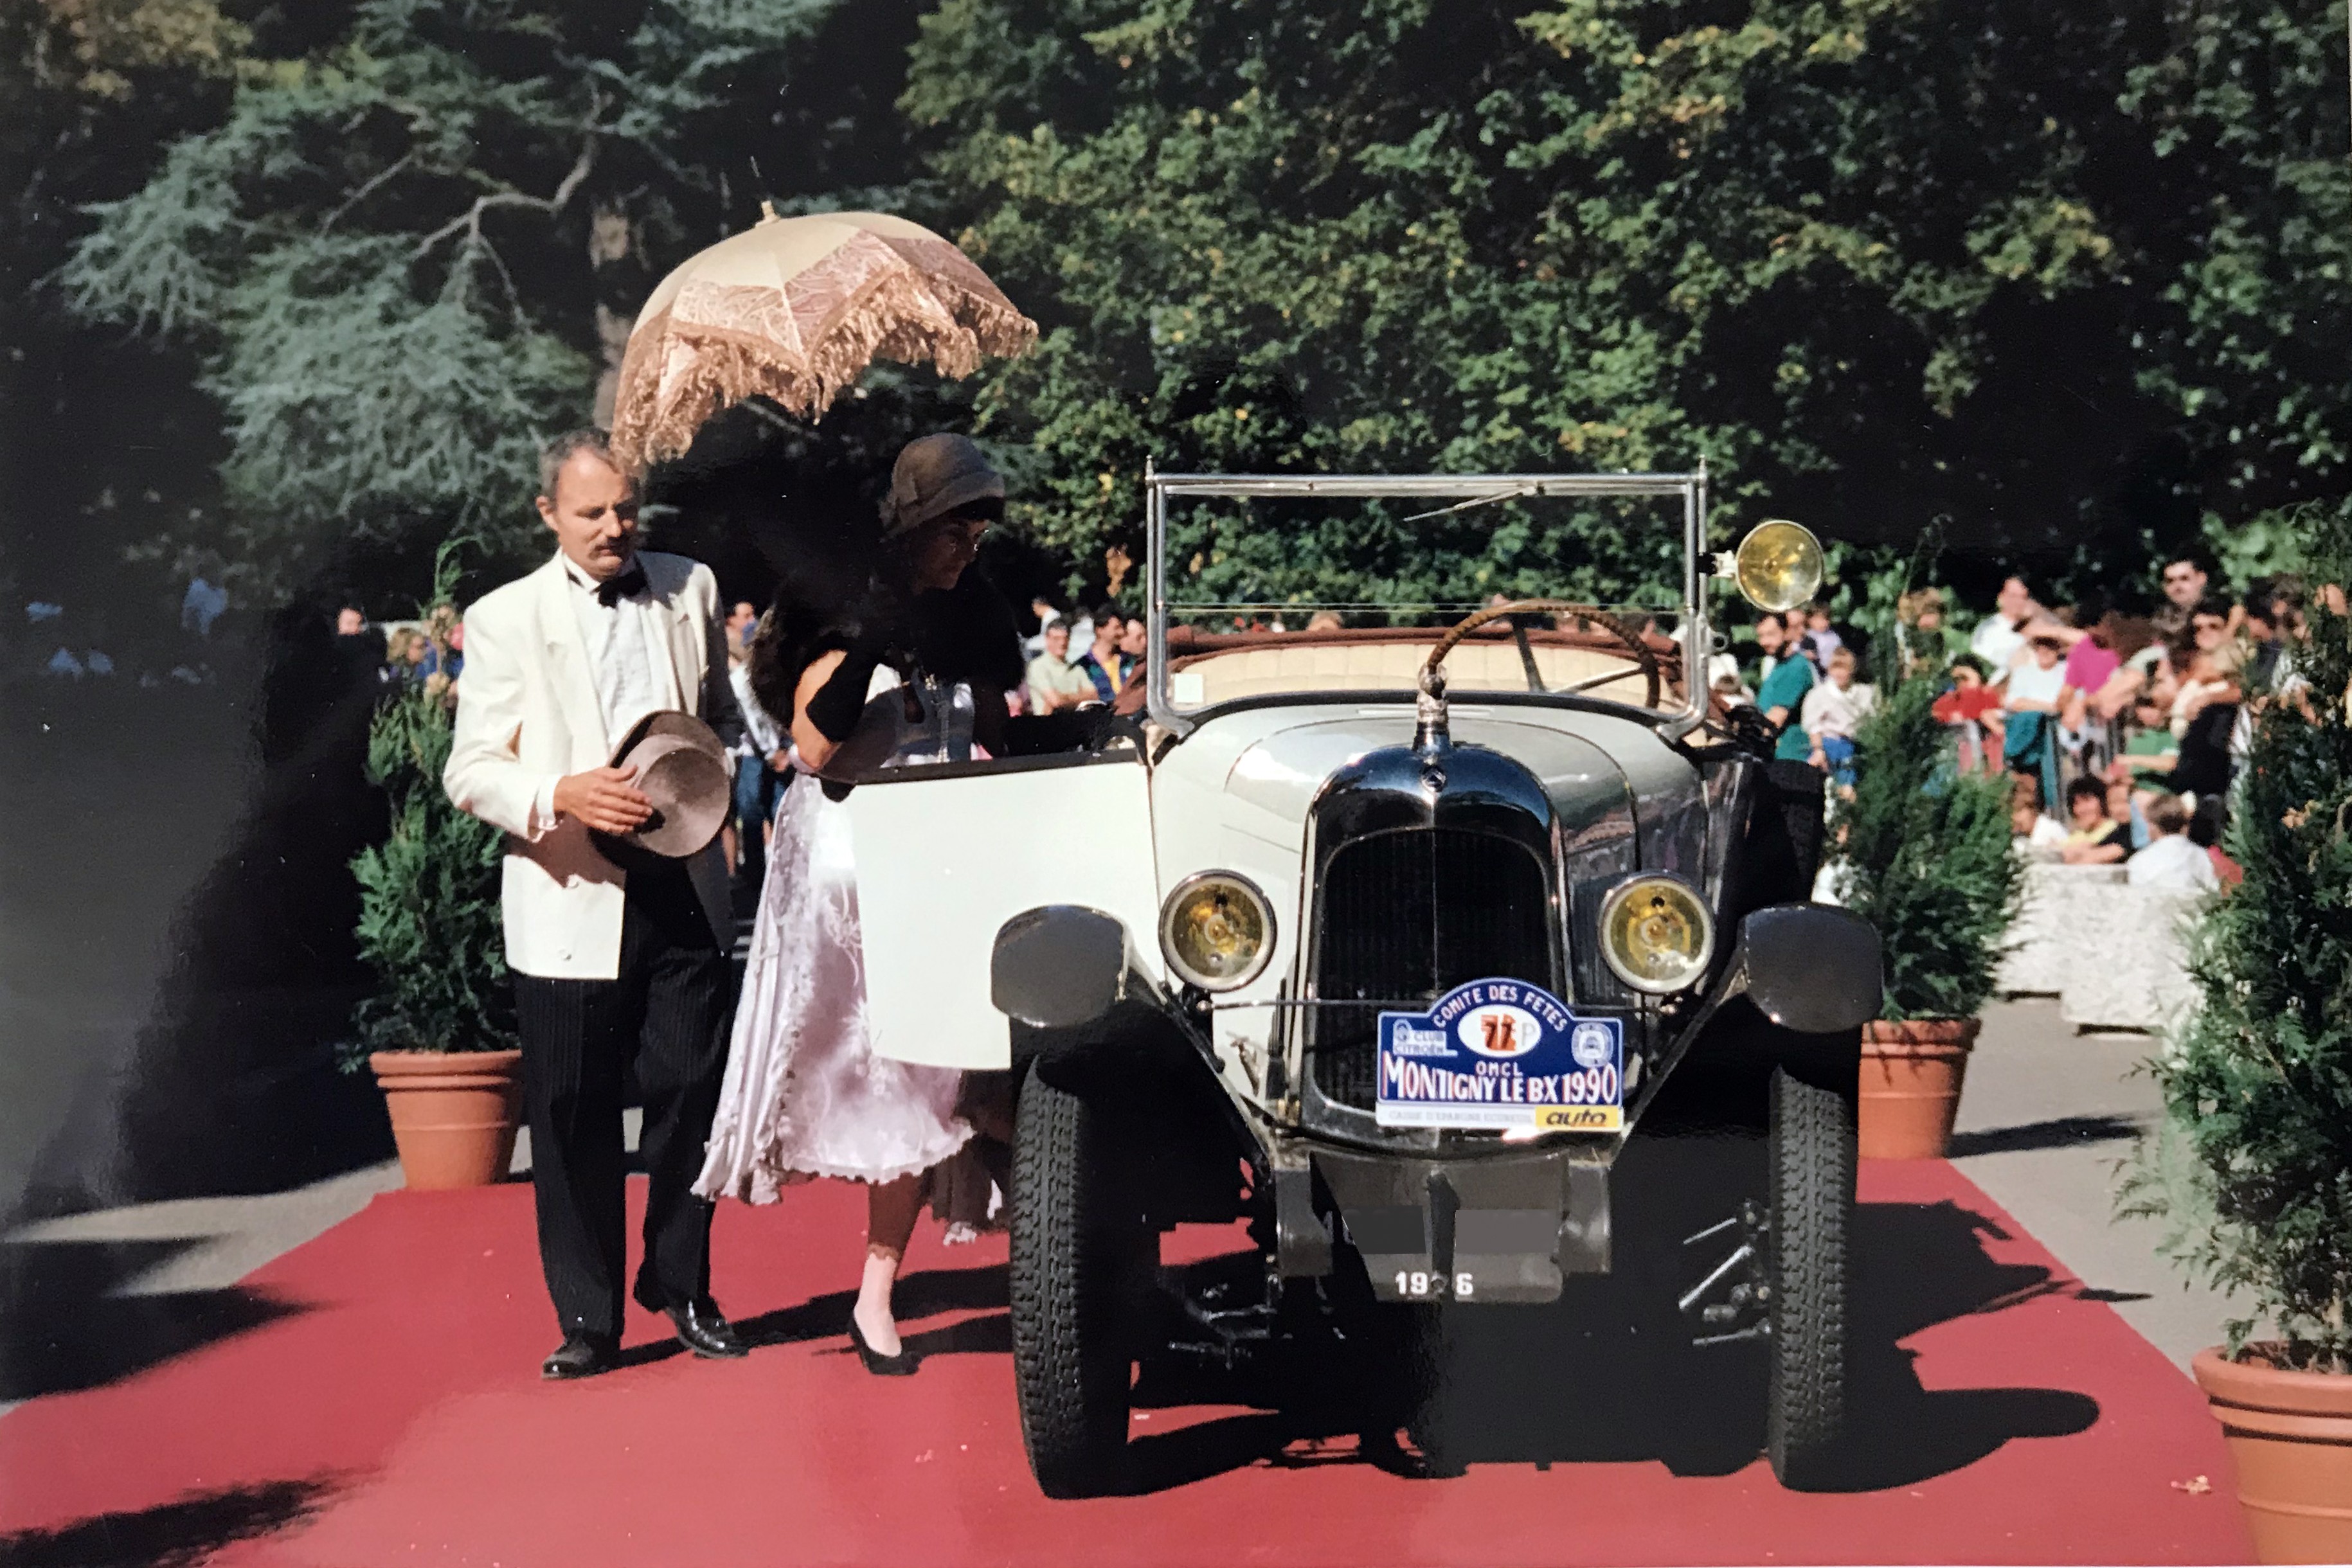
580 1355
899 1365
704 1331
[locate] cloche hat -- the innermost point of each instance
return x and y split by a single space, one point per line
934 475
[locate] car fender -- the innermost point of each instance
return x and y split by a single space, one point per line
1812 969
1060 967
1809 971
1137 1057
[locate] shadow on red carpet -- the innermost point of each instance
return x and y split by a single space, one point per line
2010 1416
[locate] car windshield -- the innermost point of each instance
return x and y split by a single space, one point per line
1264 587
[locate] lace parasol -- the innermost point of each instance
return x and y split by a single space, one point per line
795 309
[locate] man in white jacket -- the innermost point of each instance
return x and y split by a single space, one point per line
610 965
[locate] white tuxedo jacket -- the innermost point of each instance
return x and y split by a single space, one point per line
528 713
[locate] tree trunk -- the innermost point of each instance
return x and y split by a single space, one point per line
612 259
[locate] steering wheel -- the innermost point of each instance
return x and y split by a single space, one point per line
1432 673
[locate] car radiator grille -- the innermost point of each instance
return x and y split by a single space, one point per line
1407 916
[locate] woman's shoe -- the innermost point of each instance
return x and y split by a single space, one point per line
899 1365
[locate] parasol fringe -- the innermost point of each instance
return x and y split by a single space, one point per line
899 316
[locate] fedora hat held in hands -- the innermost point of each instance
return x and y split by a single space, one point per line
681 767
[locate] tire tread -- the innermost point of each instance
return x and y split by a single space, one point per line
1813 1173
1069 1360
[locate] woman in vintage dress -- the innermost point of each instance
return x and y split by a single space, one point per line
804 1093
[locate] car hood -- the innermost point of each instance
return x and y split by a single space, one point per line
1592 765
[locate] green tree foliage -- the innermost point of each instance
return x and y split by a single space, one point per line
2248 336
429 900
2040 271
1924 855
2063 277
99 48
2258 1085
1268 237
106 443
406 255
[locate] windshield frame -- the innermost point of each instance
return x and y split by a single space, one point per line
1695 639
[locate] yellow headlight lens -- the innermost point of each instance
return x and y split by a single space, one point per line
1216 931
1656 935
1779 566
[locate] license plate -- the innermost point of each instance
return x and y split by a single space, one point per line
1501 1055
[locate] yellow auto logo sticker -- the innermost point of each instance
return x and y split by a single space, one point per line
1580 1118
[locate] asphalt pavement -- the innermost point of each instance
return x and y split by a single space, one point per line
2046 1118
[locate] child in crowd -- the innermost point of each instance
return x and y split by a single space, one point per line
2203 682
2207 820
2035 685
2038 833
2151 749
2171 860
1832 712
2098 839
2090 665
1825 639
1974 710
2126 810
2030 740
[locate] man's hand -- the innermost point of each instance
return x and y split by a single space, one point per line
780 761
604 799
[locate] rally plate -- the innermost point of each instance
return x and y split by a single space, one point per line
1501 1055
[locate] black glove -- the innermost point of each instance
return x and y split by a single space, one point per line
835 708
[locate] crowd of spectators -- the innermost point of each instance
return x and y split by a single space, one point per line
1069 666
429 652
2121 733
1110 641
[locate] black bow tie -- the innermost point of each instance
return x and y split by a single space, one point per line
629 580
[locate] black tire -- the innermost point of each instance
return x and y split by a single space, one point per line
1811 1150
1074 1250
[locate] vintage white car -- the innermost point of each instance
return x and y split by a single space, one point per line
1454 960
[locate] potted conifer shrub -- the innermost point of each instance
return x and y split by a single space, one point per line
1924 854
438 1030
2252 1168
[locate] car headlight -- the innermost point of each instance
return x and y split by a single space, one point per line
1655 933
1216 930
1779 566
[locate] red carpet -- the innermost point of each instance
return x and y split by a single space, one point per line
394 1415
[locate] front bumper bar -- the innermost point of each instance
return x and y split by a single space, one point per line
1503 1228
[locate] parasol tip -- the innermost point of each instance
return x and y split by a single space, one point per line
767 211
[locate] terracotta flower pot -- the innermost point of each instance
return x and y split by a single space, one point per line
1911 1076
454 1113
2290 1435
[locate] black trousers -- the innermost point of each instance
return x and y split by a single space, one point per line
669 1011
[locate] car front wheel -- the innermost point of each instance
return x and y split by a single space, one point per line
1076 1250
1811 1150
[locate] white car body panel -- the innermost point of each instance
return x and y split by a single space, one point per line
943 863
